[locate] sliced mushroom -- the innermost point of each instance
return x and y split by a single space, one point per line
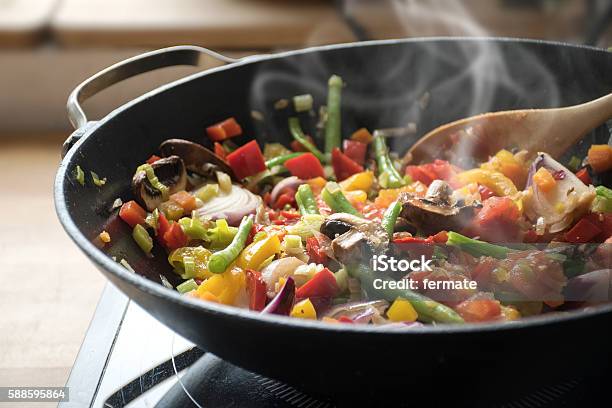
354 239
436 212
196 157
170 171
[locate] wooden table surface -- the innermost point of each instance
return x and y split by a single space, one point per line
48 289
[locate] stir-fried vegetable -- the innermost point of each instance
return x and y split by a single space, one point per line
333 196
333 125
300 137
305 200
221 260
388 176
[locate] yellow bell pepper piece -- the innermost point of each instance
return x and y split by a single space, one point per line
360 181
316 184
356 196
224 287
255 254
402 311
389 195
304 310
496 181
510 165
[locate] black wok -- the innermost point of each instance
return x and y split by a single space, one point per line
386 81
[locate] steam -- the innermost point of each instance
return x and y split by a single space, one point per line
474 78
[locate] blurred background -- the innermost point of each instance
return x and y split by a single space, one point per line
48 290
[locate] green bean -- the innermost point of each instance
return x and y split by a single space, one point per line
306 200
298 134
280 160
390 216
428 309
333 125
220 261
333 196
475 247
385 165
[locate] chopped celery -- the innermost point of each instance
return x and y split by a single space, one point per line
194 228
475 247
187 286
603 199
97 180
79 175
292 241
574 164
302 103
152 219
221 235
190 266
142 238
342 279
207 192
153 180
306 226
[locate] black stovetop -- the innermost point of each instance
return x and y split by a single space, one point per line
130 359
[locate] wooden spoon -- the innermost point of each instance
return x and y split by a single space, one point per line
549 130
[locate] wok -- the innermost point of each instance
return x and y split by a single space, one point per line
386 81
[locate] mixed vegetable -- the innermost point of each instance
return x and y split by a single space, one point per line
293 231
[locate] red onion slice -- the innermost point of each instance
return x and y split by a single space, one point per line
289 182
283 301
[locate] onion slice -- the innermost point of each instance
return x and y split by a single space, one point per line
289 182
283 301
232 206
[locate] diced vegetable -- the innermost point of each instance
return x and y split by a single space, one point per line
194 228
153 180
322 284
153 159
225 286
142 238
305 166
333 125
175 237
172 210
355 150
79 175
220 261
360 181
97 180
132 213
545 181
402 311
300 137
190 262
497 182
224 130
574 164
302 103
333 196
479 310
207 192
584 176
304 310
600 158
247 160
603 200
220 150
187 286
280 160
582 232
313 249
256 253
225 182
344 166
510 165
185 200
282 303
256 289
362 135
105 237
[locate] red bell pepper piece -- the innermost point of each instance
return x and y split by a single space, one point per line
438 170
298 147
283 200
583 175
175 237
153 159
220 150
247 160
344 166
313 249
414 240
497 221
478 310
345 319
485 192
305 167
322 284
132 213
421 173
440 238
256 289
224 130
584 231
355 150
162 227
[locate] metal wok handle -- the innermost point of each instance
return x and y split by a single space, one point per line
150 61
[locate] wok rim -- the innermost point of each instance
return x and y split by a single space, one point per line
232 312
